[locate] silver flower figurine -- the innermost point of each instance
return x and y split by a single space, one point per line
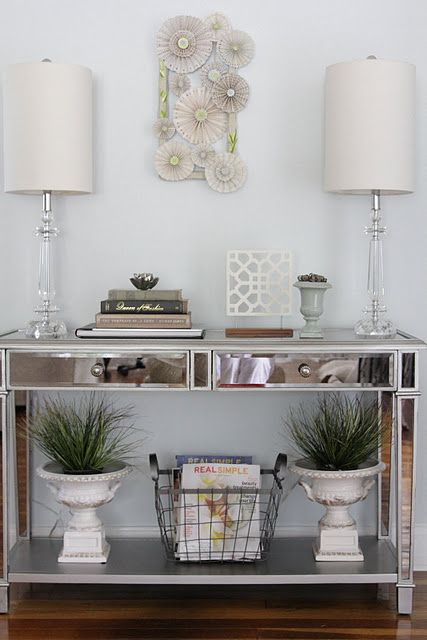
144 281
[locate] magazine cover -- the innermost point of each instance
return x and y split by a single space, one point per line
219 459
216 523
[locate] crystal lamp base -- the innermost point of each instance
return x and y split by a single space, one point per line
51 328
376 327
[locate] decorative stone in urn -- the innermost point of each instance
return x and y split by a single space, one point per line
312 288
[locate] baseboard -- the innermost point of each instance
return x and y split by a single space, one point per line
421 547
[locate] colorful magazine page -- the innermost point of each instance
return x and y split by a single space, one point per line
219 521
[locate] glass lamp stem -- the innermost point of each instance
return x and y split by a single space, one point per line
374 323
45 325
46 277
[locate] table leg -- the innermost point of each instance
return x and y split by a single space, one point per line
405 450
3 510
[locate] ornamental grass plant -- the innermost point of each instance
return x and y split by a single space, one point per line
83 437
339 433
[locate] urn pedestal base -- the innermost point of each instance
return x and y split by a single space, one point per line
338 544
84 546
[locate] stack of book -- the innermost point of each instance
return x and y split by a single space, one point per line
137 313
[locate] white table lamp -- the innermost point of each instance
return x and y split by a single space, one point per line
370 149
47 150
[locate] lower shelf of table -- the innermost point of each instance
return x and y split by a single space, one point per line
142 561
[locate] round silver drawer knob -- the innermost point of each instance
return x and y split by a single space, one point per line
304 370
97 369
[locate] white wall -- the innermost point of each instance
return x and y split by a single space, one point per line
136 222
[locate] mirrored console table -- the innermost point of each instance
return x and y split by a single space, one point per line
339 362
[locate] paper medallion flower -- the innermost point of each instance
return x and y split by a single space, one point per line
230 93
197 118
179 83
212 72
236 48
203 155
226 173
218 24
164 128
184 43
173 161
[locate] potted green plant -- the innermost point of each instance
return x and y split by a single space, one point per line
88 448
339 442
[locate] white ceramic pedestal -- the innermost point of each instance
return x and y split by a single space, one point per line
338 538
84 536
337 544
82 546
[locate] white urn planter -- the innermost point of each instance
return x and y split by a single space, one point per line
311 308
337 490
84 536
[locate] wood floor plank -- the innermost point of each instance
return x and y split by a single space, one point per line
113 612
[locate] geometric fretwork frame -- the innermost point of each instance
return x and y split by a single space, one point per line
259 282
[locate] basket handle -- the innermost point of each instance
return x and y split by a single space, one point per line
154 467
280 466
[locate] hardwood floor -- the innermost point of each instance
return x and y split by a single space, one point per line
65 612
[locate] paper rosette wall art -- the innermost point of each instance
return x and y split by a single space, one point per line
201 92
259 282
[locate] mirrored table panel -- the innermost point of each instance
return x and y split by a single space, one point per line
346 370
59 370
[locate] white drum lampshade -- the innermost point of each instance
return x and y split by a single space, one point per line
370 149
370 127
47 128
47 119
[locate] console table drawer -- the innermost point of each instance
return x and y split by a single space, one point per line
277 370
143 369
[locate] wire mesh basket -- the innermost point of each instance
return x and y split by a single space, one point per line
218 524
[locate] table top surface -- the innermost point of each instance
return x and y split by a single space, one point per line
215 339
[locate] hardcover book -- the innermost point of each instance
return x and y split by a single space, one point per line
144 307
220 521
91 331
149 321
149 294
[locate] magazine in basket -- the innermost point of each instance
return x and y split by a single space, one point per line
219 521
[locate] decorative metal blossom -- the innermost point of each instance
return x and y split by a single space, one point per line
230 93
203 155
218 24
225 173
184 43
173 161
236 48
179 83
197 118
212 72
164 128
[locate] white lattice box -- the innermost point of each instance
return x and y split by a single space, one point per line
259 282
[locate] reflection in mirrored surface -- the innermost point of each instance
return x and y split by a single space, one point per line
408 370
22 409
142 369
406 489
270 369
201 370
386 456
